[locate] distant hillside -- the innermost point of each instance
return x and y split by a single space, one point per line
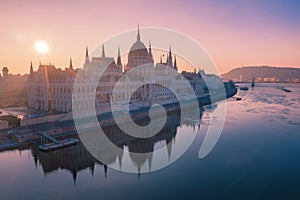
263 74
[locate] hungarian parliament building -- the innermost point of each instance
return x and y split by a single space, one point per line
52 89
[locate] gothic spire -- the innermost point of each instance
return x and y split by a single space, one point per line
31 68
87 59
169 63
175 64
119 63
138 37
86 51
71 65
103 51
150 53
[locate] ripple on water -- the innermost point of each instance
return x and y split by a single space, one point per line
294 123
286 111
252 110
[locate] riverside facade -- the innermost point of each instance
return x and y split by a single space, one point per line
50 88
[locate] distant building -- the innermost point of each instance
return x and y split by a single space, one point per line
258 79
50 88
12 86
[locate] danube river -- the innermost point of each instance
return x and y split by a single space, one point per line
256 157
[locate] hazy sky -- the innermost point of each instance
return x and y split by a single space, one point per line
234 32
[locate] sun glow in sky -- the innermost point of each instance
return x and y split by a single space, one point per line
234 32
41 47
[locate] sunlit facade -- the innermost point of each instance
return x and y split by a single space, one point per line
52 89
11 85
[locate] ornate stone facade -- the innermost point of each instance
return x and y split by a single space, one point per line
50 88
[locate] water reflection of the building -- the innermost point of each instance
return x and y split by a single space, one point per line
77 158
74 158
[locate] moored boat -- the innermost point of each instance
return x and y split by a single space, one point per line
57 145
285 89
244 88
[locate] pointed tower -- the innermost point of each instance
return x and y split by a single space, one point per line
150 53
86 51
103 51
87 59
175 64
31 69
5 72
119 63
70 65
170 60
138 37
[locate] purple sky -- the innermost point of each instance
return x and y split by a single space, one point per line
235 33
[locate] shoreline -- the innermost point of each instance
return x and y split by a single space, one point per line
27 136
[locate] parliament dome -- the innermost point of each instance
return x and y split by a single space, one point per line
138 54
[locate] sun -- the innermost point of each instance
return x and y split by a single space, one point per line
41 47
